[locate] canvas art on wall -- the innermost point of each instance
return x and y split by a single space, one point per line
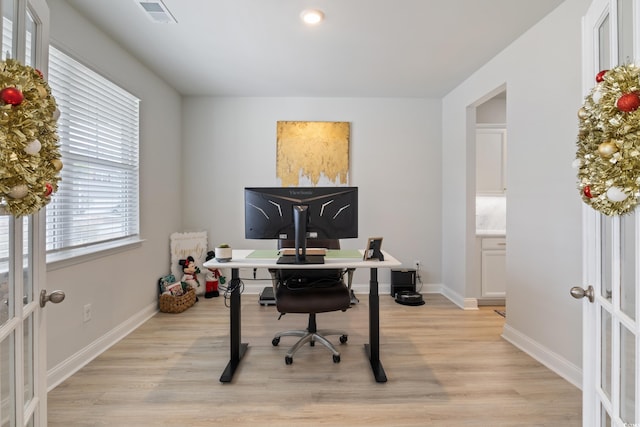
313 153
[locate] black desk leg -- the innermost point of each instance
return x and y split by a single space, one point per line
373 348
237 348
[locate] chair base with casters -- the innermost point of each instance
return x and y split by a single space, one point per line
324 292
310 335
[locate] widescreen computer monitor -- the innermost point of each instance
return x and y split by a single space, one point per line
301 213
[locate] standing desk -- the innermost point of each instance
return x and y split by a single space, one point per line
245 258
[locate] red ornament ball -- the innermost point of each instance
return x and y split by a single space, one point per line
587 191
600 75
628 102
11 95
48 189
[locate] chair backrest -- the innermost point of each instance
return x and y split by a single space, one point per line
311 243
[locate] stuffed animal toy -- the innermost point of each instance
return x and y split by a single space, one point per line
211 279
190 274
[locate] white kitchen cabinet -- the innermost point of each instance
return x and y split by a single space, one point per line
493 283
491 157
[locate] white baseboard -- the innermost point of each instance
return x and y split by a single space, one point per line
542 354
470 304
77 361
457 299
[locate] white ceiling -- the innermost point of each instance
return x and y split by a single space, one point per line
364 48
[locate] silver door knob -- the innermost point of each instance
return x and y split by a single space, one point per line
55 297
577 292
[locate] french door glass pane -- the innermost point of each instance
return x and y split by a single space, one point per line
26 260
7 308
605 419
28 356
605 267
628 265
6 291
627 376
7 382
604 43
31 39
625 31
605 353
8 18
6 299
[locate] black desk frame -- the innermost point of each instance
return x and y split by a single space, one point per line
238 348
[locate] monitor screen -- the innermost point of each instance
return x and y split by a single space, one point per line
300 213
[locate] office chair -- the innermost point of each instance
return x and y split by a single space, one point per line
311 291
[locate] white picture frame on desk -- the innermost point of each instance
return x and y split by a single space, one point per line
373 249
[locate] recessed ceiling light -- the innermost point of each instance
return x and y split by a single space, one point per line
312 16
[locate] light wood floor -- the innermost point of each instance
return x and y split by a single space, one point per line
446 367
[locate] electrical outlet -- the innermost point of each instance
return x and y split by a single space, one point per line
86 314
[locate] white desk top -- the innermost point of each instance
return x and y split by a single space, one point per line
240 259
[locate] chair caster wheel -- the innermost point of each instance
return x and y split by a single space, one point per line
336 359
343 339
289 360
275 342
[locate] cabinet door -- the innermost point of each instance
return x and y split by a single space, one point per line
494 282
491 146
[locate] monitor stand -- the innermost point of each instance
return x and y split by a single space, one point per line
309 259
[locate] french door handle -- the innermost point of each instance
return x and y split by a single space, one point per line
55 297
577 292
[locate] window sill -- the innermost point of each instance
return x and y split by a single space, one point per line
71 257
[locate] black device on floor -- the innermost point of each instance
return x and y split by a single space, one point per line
409 298
267 297
402 279
403 287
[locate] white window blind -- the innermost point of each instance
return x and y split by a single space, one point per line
97 198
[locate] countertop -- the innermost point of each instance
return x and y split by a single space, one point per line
491 233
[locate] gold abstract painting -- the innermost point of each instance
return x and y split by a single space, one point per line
313 153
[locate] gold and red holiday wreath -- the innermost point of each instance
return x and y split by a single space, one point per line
608 146
29 152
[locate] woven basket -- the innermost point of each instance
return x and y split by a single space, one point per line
177 304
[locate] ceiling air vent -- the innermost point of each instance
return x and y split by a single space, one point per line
157 11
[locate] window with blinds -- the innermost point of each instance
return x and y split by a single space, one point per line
97 198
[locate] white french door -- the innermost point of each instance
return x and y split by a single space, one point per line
611 251
23 390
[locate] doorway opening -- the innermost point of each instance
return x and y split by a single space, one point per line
490 148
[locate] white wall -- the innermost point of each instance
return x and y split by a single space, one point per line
542 72
395 153
119 286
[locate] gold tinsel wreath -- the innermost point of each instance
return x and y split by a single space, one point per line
29 153
608 145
